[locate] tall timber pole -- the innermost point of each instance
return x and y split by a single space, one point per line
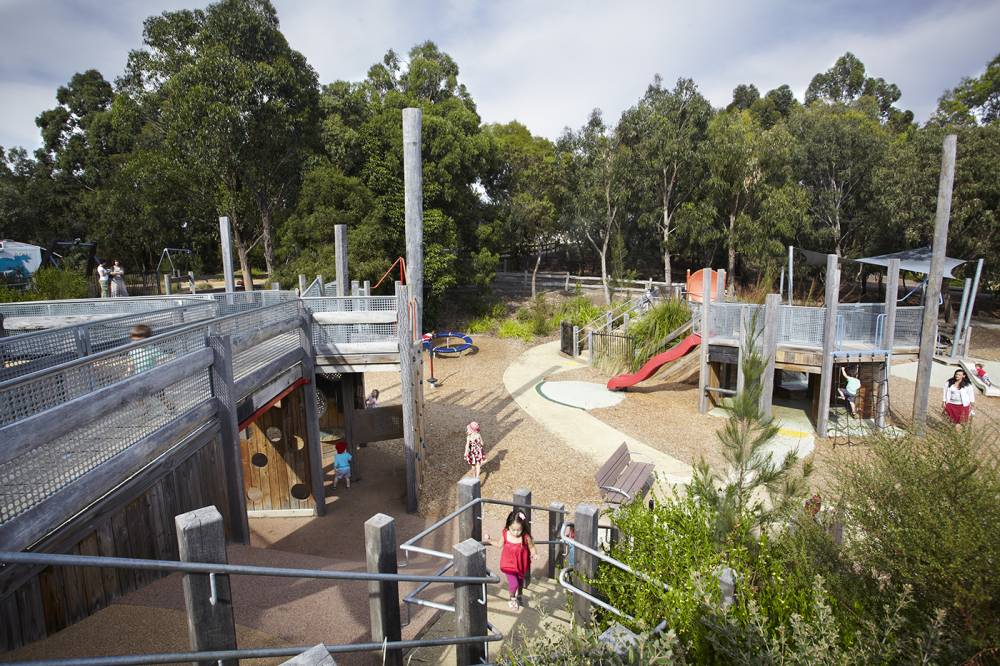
414 207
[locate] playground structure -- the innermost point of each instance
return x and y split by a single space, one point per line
107 439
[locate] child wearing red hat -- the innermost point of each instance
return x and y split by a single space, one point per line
342 464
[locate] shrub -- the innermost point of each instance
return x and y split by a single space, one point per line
650 330
483 324
578 311
582 647
55 284
512 328
923 512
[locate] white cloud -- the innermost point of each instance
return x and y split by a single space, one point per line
546 64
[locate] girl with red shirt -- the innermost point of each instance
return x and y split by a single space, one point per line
515 558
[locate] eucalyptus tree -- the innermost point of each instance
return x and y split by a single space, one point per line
593 165
521 184
847 82
665 130
756 202
224 93
975 100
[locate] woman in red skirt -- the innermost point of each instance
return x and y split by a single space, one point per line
959 396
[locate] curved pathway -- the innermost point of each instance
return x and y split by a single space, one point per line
576 427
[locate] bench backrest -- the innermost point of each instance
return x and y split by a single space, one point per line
612 469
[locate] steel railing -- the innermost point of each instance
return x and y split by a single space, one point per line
214 569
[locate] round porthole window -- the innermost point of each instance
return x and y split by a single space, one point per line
273 434
258 460
300 491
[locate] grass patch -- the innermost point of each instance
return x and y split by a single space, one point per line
512 328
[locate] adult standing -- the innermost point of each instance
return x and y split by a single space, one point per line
118 280
959 397
103 279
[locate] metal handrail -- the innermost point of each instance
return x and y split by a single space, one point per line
221 568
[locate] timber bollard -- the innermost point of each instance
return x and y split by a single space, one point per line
470 522
585 564
522 503
207 597
383 596
470 611
557 515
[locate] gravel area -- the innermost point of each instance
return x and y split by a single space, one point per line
519 452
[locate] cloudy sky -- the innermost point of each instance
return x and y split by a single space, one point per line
546 64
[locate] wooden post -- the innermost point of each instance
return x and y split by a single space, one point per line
706 298
201 537
585 564
740 378
312 416
888 340
355 286
769 349
826 377
470 522
347 396
956 338
227 254
302 284
413 202
470 614
522 503
340 257
791 283
194 287
383 596
410 425
275 286
928 326
972 303
224 390
368 287
322 285
720 284
167 287
557 515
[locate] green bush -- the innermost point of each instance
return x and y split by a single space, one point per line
924 512
512 328
650 330
578 311
48 284
484 324
582 647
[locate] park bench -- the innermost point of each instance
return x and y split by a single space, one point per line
622 479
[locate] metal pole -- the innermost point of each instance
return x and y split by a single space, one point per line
227 254
972 304
933 290
201 537
413 202
966 288
383 596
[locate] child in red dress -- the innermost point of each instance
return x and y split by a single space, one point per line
516 556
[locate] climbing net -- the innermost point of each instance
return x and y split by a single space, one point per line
855 418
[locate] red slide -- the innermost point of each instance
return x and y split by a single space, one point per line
622 382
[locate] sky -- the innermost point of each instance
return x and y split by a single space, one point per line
545 64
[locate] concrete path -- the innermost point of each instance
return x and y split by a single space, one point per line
577 428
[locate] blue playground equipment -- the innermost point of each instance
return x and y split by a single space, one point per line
456 344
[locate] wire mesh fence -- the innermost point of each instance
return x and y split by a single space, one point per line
94 306
24 354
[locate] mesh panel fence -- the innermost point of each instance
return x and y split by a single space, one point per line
32 477
23 354
908 323
801 326
95 306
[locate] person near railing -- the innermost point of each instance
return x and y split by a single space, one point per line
517 552
372 401
850 393
103 279
118 280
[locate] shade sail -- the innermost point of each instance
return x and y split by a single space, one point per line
917 260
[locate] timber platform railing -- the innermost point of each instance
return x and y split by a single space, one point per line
210 603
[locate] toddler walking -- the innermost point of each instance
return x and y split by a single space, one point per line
341 465
474 447
517 552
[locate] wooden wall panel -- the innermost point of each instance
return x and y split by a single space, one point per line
274 472
136 520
